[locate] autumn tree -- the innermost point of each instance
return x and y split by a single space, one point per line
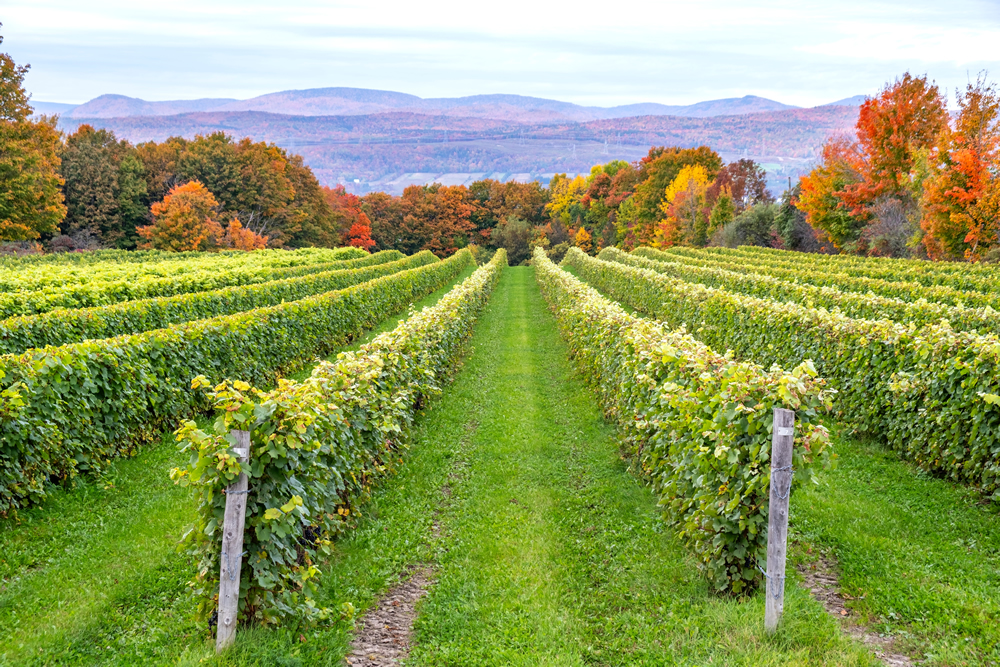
565 199
961 198
159 162
436 218
820 192
235 237
183 221
494 201
186 221
683 209
609 185
582 240
31 200
746 182
892 128
360 233
864 196
250 180
386 215
657 171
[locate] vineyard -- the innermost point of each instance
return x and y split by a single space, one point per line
307 457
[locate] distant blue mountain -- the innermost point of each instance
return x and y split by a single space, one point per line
363 101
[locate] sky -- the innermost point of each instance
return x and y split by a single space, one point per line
596 53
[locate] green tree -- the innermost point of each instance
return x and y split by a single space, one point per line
309 214
722 213
132 193
514 235
91 164
31 200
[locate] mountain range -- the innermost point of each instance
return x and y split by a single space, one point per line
381 140
361 101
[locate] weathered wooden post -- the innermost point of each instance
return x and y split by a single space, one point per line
782 439
232 549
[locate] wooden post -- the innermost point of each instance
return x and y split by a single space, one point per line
232 549
782 440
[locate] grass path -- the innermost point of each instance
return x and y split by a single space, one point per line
554 554
93 577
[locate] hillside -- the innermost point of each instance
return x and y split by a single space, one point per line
380 149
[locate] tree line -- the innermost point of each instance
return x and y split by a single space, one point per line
913 181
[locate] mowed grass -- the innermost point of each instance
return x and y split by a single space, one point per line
552 553
93 575
919 555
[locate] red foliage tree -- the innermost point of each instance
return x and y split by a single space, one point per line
360 233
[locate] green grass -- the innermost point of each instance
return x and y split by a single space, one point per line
920 555
93 575
553 553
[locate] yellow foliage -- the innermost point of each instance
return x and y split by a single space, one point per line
565 193
692 177
582 240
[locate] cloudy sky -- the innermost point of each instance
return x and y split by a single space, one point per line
802 52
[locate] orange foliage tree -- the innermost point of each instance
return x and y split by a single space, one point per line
436 218
360 233
845 193
961 198
184 221
905 118
819 197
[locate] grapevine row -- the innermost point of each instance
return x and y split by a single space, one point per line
824 277
853 304
106 293
914 265
71 408
316 448
699 422
924 273
63 326
930 393
44 277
